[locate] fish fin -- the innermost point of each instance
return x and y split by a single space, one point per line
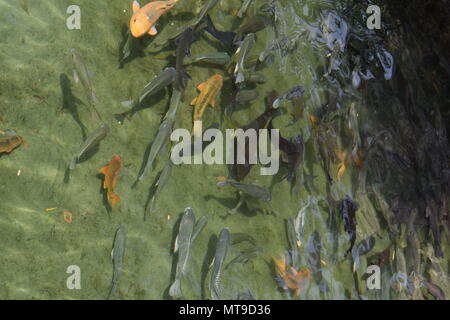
201 86
175 248
175 289
136 6
76 78
194 101
127 103
73 163
114 200
240 77
104 170
153 31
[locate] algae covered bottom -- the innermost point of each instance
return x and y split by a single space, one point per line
364 154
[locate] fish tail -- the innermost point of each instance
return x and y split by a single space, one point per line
114 200
175 289
240 77
73 163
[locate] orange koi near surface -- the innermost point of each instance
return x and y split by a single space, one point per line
291 278
144 19
111 172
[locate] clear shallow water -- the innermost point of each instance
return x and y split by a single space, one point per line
38 246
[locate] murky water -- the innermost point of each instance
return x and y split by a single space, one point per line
372 119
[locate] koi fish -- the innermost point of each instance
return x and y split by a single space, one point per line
111 172
144 19
208 93
289 278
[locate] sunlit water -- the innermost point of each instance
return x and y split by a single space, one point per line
318 42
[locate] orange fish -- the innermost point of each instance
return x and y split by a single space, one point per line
291 278
144 19
10 142
342 162
111 172
208 93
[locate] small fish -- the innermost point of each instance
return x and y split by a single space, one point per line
165 129
183 42
255 77
92 140
245 256
118 255
254 191
241 237
9 142
245 96
251 25
291 94
242 52
225 37
223 245
349 215
313 250
162 181
111 172
244 7
299 224
361 249
161 81
209 90
294 154
144 19
434 290
188 231
219 58
81 74
293 244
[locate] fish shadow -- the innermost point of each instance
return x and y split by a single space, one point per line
136 46
145 104
230 203
209 255
103 191
151 193
70 102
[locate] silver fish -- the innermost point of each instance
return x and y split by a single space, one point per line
118 255
164 131
81 74
187 233
92 140
242 52
299 223
223 244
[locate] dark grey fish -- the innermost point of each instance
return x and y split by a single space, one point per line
183 42
92 140
245 96
118 254
226 37
161 81
162 181
223 245
246 255
255 77
252 190
291 94
313 250
251 25
361 249
293 152
241 237
292 240
349 215
219 58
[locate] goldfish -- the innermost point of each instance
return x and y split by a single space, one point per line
208 93
144 19
289 278
10 142
111 172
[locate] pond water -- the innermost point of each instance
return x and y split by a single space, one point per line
364 153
